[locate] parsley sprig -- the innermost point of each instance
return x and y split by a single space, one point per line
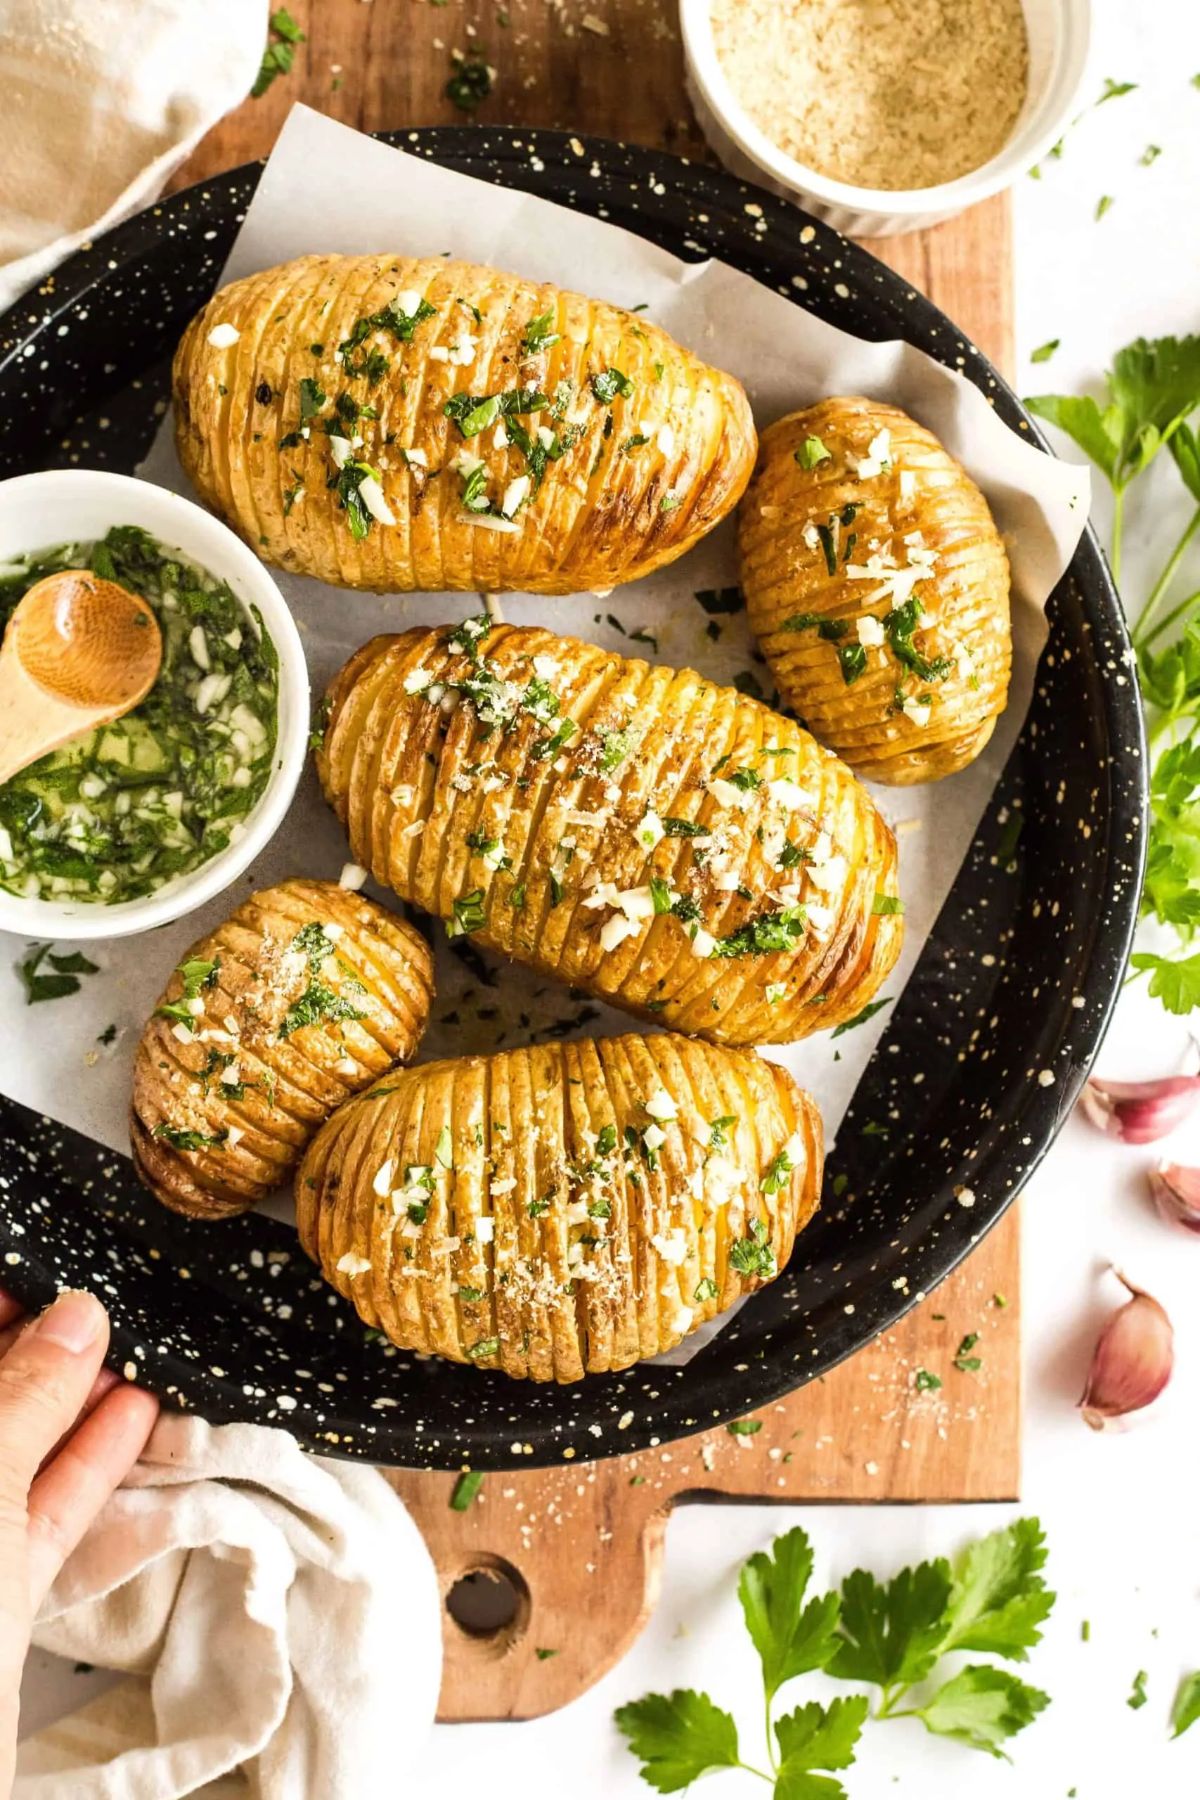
890 1636
1153 393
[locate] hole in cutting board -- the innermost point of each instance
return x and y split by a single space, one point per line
489 1602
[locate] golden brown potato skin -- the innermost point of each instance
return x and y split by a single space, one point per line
785 575
608 509
290 1076
483 1254
530 839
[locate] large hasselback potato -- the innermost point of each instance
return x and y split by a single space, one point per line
392 423
303 997
877 584
563 1210
668 845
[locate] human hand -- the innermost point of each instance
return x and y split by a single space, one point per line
70 1430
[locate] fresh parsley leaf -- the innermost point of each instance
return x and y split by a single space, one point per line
998 1600
817 1737
180 1139
744 1427
753 1255
317 1004
790 1638
280 52
678 1737
1045 351
892 1633
1174 981
1186 1709
860 1018
982 1706
1137 1693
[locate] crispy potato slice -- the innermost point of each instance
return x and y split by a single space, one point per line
665 844
877 584
562 1210
603 448
304 996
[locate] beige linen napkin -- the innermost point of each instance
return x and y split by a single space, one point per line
280 1612
101 100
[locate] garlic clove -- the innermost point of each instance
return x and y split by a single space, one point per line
1132 1361
1176 1193
1138 1112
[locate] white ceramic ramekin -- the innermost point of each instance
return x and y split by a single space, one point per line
63 505
1059 39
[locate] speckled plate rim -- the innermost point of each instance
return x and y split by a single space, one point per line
506 1423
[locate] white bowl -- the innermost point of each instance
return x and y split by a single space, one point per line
1059 38
65 505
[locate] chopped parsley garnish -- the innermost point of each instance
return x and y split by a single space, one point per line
778 1170
312 399
899 626
852 659
753 1255
540 333
470 914
470 84
485 1347
608 384
925 1382
606 1140
718 1131
317 1004
884 904
746 779
346 482
280 52
721 600
180 1139
401 326
614 748
829 629
762 936
963 1359
473 413
39 986
744 1427
685 828
196 974
312 942
860 1018
470 1482
538 1208
828 547
443 1150
811 452
705 1290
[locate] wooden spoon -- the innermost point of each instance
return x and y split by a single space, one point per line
79 652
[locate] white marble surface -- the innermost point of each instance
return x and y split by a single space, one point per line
1119 1510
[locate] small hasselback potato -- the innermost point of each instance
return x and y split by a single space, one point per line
877 585
394 423
670 846
562 1210
303 997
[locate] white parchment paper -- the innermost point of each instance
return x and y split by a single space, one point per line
327 188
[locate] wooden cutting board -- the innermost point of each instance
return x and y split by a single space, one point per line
556 1571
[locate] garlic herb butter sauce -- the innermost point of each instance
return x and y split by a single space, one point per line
119 812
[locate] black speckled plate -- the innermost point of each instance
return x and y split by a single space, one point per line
1006 1008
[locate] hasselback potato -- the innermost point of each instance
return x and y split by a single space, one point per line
562 1210
395 423
877 584
304 996
666 844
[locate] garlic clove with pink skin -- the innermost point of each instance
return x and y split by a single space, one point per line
1132 1361
1176 1193
1139 1112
